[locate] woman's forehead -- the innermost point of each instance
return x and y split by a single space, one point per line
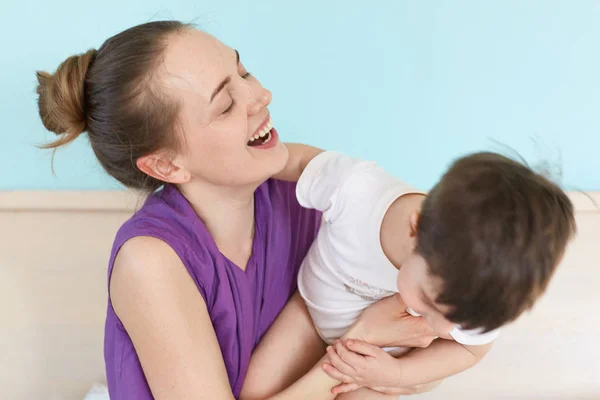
197 62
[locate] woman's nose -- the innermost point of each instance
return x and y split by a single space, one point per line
261 100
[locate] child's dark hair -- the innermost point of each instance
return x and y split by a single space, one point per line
493 232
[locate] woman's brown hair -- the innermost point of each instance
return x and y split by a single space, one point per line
114 95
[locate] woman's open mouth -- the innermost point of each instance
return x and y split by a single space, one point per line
263 136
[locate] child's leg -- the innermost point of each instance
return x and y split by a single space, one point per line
288 350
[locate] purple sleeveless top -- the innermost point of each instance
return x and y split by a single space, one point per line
241 304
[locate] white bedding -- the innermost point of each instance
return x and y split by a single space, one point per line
97 392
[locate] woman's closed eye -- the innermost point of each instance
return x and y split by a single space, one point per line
229 108
244 75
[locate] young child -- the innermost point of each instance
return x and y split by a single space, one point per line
469 257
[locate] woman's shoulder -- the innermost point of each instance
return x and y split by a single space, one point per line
142 258
276 186
140 255
279 194
165 228
282 196
165 215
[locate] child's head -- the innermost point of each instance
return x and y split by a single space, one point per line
489 237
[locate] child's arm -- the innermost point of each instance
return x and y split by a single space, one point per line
357 362
300 156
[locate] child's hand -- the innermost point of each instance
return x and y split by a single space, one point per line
359 364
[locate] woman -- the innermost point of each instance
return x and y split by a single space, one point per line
199 274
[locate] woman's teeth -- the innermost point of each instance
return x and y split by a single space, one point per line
263 132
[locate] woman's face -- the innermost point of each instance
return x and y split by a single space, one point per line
225 122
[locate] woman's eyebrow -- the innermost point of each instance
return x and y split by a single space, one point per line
225 81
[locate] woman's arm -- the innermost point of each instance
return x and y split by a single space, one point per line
300 156
168 322
289 349
292 346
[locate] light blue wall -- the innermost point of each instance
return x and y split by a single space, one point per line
411 84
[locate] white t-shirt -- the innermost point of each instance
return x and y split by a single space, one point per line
346 269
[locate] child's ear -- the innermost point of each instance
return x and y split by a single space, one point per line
414 223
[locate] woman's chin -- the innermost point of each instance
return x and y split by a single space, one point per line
274 160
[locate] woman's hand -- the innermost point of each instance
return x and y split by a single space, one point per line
386 324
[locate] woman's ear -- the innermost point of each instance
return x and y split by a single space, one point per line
162 167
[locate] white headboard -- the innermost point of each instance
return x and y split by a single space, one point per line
54 248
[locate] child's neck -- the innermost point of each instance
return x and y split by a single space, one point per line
396 239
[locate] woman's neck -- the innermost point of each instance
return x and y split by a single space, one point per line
228 214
